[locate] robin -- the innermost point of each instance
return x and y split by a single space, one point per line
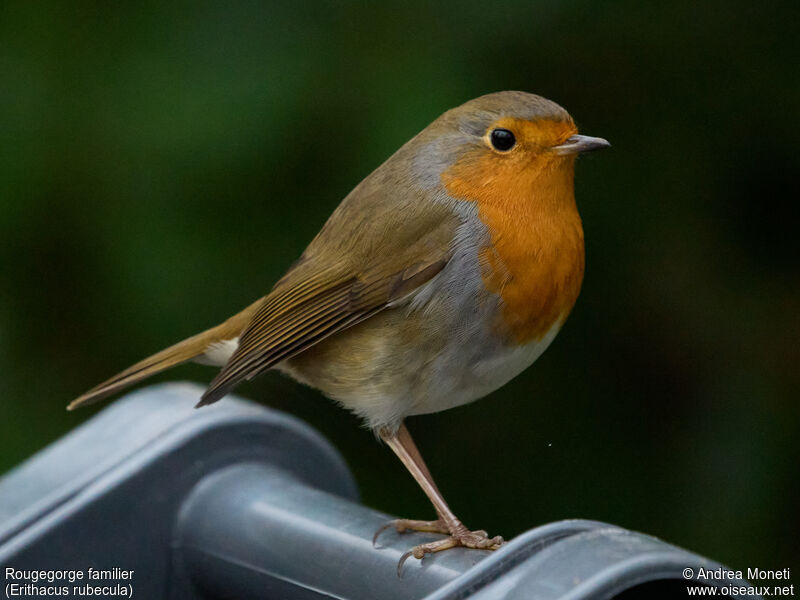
441 276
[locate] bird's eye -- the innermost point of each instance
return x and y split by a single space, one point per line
502 139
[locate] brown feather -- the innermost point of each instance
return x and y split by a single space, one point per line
170 357
278 331
383 241
375 249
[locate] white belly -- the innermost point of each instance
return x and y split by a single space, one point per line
466 381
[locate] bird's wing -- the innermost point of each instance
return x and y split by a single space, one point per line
333 287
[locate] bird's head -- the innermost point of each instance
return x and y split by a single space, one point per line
502 143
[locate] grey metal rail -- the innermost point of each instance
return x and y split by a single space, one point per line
238 501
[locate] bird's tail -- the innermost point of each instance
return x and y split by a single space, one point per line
179 353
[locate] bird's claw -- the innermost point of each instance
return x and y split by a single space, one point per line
381 529
403 525
478 540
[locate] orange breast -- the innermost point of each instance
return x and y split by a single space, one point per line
535 257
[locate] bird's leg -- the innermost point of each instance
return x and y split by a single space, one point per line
405 449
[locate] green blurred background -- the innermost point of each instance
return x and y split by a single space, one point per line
162 164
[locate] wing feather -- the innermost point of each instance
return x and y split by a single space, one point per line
372 252
290 323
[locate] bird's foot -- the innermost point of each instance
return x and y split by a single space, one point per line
403 525
458 536
464 538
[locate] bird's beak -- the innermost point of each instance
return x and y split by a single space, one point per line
577 144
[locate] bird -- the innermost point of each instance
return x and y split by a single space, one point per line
441 276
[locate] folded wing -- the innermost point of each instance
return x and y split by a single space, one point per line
331 289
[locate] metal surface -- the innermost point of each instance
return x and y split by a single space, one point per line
238 501
252 531
108 494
